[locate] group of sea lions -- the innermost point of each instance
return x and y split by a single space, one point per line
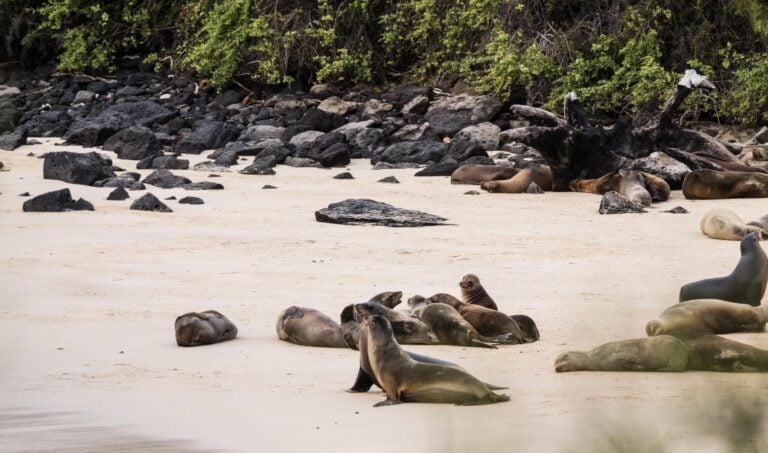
685 336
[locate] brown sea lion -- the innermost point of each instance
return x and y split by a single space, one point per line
698 317
657 187
472 292
712 185
715 353
600 186
540 174
762 223
727 225
729 165
745 285
417 303
207 327
408 329
660 353
350 327
632 187
487 322
451 328
406 380
754 156
389 299
478 174
528 327
309 327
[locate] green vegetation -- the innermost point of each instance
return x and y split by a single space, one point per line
618 55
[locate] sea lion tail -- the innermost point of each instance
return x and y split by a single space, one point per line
500 397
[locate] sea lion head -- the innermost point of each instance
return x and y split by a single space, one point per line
389 299
292 312
571 361
490 186
443 298
469 282
748 242
348 314
416 300
377 326
654 328
367 309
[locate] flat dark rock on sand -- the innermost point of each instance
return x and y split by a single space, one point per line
149 202
362 211
56 201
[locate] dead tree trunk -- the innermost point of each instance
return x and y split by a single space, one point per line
575 149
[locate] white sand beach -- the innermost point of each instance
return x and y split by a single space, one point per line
88 301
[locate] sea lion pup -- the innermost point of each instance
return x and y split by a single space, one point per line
632 187
350 327
600 186
472 292
540 174
451 328
406 380
695 318
745 285
712 185
657 187
489 323
207 327
389 299
528 327
416 304
478 174
408 330
660 353
726 224
309 327
715 353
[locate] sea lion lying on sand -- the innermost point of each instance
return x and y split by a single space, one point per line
695 318
727 225
451 328
656 187
487 322
632 187
309 327
712 185
745 285
403 379
478 174
540 174
207 327
407 329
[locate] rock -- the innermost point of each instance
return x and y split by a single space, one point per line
24 194
389 180
323 90
439 169
760 137
363 211
13 140
484 134
349 130
305 139
321 120
677 210
337 155
663 166
416 106
412 152
262 166
203 185
403 94
165 179
365 142
118 194
228 97
267 186
83 97
226 158
163 162
449 115
334 104
56 201
210 165
134 143
534 188
416 133
77 168
345 175
207 135
10 113
301 162
149 202
471 192
95 129
614 203
191 200
125 180
396 166
462 151
260 133
376 108
171 198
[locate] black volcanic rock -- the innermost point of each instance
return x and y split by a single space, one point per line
363 211
191 200
149 202
207 135
614 203
13 140
77 168
439 169
389 180
56 201
118 194
134 143
165 179
344 175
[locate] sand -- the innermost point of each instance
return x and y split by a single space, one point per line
88 360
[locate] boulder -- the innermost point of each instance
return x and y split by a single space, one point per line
439 169
96 128
321 120
401 95
613 203
191 200
262 166
259 133
13 140
334 104
484 134
165 179
663 166
412 152
207 135
118 194
450 114
77 168
56 201
364 211
163 162
126 180
149 202
134 143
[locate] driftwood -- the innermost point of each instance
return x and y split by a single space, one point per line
574 148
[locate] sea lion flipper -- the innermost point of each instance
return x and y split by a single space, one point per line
494 387
386 402
363 382
482 344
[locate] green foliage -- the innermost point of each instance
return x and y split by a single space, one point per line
747 100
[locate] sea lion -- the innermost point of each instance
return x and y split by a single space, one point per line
698 317
727 225
389 299
406 380
600 186
660 353
309 327
540 174
478 174
715 353
528 327
632 187
451 328
761 223
408 330
350 327
487 322
472 292
207 327
416 304
745 285
657 187
712 185
729 165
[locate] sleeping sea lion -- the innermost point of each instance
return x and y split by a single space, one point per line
632 187
698 317
451 328
478 174
660 353
487 322
657 187
727 225
406 380
712 184
600 186
207 327
540 174
745 285
309 327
